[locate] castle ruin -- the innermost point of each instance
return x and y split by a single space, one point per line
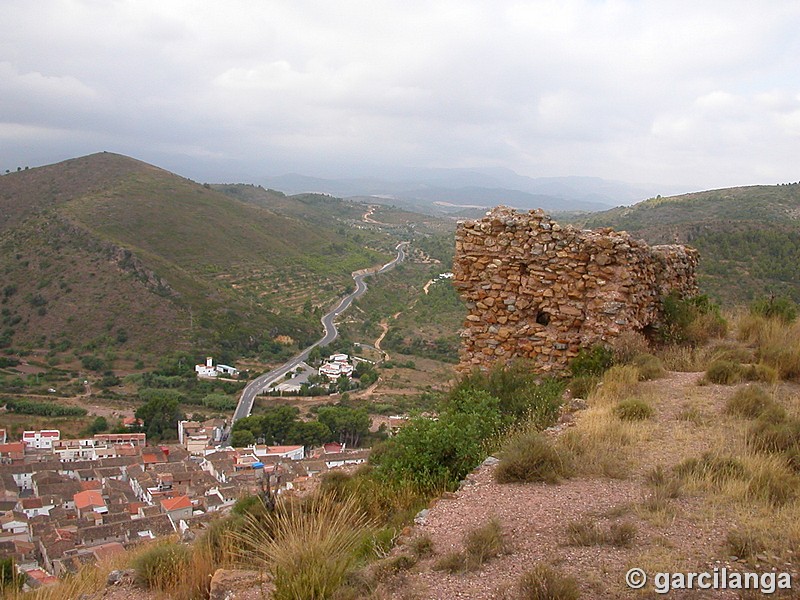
539 291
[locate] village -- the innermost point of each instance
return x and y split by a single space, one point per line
65 503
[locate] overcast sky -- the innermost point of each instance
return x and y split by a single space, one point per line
694 94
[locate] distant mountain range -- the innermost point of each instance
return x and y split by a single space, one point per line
446 191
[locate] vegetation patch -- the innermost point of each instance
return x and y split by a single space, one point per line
714 469
480 546
530 457
633 409
545 583
308 548
749 402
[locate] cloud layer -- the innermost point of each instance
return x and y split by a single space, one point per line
681 93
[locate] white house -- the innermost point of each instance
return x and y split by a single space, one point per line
290 452
209 370
206 370
41 439
336 366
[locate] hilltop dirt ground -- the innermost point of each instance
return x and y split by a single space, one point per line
688 536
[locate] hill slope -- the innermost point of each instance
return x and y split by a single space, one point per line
106 251
748 237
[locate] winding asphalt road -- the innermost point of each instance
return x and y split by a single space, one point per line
260 383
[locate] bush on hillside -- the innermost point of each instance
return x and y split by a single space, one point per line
628 345
633 409
724 372
163 566
690 320
528 457
440 453
594 361
650 367
748 402
522 394
771 307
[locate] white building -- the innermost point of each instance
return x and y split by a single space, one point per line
337 365
209 370
41 439
206 370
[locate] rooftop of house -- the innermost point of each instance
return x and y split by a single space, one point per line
177 503
88 499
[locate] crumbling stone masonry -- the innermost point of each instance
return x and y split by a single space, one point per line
540 291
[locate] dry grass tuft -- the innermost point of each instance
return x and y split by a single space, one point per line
749 402
745 542
530 456
588 533
628 345
480 546
633 409
619 382
777 344
545 583
309 548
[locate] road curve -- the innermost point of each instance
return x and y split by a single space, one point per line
260 383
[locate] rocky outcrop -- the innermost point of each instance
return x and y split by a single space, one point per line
540 291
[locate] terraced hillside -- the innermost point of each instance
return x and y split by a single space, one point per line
106 252
748 237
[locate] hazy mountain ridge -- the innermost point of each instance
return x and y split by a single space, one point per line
422 188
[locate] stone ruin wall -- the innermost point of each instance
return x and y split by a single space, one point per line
539 291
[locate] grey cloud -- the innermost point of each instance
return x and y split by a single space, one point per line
701 94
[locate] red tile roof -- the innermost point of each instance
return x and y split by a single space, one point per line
176 503
88 499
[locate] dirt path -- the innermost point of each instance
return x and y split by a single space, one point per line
384 329
367 218
688 537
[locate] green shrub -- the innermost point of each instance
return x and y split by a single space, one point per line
440 453
690 320
713 468
650 367
781 308
163 566
595 361
544 583
748 402
633 409
583 385
521 392
724 372
45 409
528 457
